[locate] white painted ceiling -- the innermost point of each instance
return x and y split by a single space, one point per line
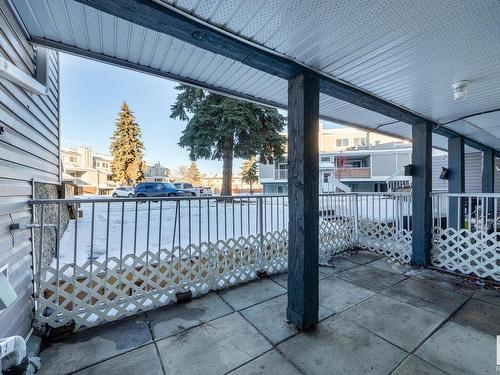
407 52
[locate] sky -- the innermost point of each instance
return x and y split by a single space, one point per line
91 96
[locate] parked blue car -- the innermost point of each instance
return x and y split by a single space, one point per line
157 189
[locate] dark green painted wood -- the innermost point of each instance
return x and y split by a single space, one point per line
456 180
421 193
488 176
303 195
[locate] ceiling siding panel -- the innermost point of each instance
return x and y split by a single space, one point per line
408 54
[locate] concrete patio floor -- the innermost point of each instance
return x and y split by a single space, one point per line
377 317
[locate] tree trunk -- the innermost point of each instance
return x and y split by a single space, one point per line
227 167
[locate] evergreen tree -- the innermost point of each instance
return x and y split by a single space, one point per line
193 174
250 172
182 172
127 149
222 128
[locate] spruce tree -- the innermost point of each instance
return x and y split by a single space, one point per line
250 172
223 128
128 166
193 174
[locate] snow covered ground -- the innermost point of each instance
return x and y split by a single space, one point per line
134 227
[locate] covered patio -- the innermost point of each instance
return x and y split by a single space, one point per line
392 67
376 317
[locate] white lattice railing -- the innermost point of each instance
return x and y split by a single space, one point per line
466 234
118 257
123 256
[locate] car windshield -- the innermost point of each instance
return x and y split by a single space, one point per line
168 185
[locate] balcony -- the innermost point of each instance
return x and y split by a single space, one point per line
359 172
122 267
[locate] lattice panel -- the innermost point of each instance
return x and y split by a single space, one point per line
385 238
470 252
335 236
99 292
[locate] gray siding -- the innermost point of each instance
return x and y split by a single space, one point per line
29 149
403 159
383 165
473 173
438 163
266 170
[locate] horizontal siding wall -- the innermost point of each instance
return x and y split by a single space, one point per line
29 149
473 173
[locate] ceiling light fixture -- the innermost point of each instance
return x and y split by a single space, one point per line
460 89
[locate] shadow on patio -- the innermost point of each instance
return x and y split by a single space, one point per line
377 317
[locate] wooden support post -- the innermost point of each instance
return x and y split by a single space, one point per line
488 179
303 198
456 181
421 193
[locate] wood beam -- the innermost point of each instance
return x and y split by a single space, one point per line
421 193
456 180
303 198
488 176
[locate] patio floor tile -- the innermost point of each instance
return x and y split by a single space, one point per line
400 323
388 265
358 256
338 295
371 278
426 296
488 295
337 265
176 318
459 349
281 279
479 315
95 345
339 346
215 347
270 318
144 360
414 365
270 363
240 297
454 283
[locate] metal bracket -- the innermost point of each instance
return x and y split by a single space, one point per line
19 226
12 73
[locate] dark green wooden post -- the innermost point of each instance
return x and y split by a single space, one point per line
488 178
421 193
456 181
303 197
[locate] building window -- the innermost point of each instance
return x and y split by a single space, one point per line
360 141
339 142
326 177
73 159
325 158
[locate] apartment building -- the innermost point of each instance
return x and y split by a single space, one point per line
89 172
156 173
349 159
